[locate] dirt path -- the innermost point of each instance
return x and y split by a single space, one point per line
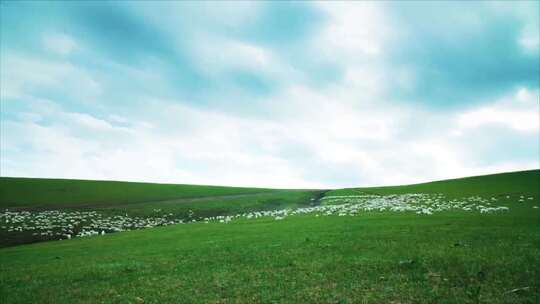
319 197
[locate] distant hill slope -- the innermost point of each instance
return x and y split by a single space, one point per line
37 192
494 184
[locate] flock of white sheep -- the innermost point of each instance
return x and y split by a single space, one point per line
57 224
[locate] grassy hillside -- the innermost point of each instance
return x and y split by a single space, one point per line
134 200
493 185
131 202
375 257
37 192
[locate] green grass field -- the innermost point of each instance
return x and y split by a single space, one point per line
46 193
512 183
191 202
452 256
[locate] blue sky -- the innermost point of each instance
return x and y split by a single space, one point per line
276 94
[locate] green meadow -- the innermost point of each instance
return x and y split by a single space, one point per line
47 193
450 256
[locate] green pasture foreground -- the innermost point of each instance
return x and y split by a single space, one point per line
451 257
375 257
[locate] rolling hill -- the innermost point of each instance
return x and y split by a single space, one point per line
40 192
451 256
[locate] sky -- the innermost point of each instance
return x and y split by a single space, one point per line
269 94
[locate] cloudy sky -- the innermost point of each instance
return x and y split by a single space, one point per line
275 94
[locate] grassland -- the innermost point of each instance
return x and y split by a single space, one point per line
512 183
196 203
47 193
376 257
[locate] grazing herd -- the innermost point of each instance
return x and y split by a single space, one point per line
67 224
58 224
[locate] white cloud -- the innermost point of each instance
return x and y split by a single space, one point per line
231 14
310 140
20 75
530 38
59 43
527 13
88 121
355 29
338 135
519 112
231 54
237 55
